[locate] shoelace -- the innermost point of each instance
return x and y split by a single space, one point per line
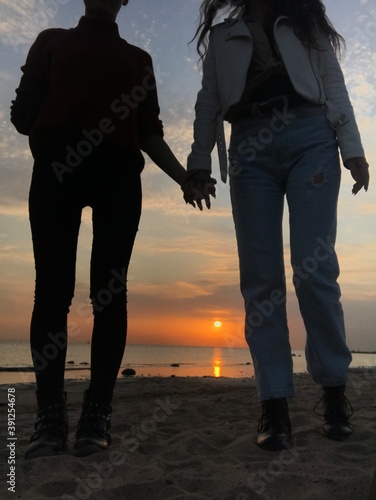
335 407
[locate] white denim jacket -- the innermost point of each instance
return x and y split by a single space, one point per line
314 73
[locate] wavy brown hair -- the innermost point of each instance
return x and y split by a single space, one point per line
306 16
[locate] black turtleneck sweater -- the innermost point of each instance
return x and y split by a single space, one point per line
83 79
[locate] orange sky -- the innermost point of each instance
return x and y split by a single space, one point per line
184 270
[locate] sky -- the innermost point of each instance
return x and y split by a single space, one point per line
184 270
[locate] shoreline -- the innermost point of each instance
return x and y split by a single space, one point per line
150 361
29 377
21 369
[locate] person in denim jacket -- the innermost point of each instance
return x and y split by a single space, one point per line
271 70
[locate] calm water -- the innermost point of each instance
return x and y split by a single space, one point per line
153 360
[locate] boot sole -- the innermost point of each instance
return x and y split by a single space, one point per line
336 436
275 444
88 449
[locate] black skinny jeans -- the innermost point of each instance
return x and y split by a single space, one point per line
112 187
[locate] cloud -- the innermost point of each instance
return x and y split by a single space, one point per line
180 290
367 208
22 20
11 209
11 255
198 299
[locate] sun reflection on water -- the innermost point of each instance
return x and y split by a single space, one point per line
217 362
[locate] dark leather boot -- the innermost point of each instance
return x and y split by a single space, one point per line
274 429
51 431
336 412
92 434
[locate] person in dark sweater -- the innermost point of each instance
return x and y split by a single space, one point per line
88 102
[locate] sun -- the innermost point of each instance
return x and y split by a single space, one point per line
217 324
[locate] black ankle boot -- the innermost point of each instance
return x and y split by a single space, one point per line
93 434
51 430
336 413
274 429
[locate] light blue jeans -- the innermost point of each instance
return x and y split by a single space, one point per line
292 153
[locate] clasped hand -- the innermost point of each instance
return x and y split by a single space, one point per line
199 186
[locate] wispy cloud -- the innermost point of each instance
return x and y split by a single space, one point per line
22 20
179 290
14 209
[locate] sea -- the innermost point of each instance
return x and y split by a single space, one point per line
152 361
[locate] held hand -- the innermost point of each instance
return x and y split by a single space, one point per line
359 169
199 186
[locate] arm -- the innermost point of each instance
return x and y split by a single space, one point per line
150 131
339 109
150 128
32 89
199 184
160 153
338 102
207 109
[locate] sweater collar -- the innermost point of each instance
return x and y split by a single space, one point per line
98 26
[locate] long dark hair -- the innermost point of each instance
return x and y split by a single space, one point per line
306 16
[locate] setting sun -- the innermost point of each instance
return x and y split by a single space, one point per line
217 324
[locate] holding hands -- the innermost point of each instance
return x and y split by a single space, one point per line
198 186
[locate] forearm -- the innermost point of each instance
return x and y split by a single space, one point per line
207 110
339 108
160 153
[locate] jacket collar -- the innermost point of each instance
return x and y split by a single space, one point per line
233 19
237 28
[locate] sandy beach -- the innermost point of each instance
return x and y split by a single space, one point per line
193 438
